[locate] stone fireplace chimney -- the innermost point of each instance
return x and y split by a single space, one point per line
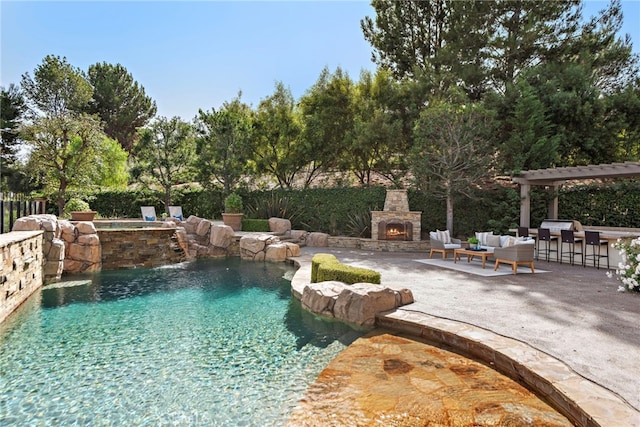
396 222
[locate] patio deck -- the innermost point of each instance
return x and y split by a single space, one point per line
571 313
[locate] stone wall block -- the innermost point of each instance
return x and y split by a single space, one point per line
318 240
68 231
359 303
299 235
252 244
276 252
86 227
279 226
320 297
203 227
293 250
221 236
56 251
89 239
27 223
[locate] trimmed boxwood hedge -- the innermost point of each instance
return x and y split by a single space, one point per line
249 224
326 267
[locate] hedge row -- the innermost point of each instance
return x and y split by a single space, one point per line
326 267
347 211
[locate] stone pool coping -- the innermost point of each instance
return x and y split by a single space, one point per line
579 399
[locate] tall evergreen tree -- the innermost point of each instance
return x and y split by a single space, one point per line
120 102
12 111
56 88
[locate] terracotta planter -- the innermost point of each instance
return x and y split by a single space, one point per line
83 215
233 220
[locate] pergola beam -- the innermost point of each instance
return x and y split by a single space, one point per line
554 177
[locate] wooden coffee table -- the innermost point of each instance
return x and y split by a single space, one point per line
471 254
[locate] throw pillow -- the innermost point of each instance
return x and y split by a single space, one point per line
482 236
493 241
444 236
433 235
511 241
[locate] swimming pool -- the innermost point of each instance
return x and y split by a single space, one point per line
215 342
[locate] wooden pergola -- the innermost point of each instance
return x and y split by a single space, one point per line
553 178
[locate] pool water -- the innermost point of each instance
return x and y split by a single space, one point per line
215 342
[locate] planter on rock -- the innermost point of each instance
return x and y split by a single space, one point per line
83 215
233 220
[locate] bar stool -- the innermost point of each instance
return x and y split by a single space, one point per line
592 238
568 238
544 235
523 231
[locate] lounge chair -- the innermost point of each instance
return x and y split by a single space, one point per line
443 246
514 256
148 213
176 212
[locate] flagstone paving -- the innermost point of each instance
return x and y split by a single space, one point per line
391 380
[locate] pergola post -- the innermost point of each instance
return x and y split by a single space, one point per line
552 208
525 205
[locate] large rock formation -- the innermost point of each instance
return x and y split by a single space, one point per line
67 248
357 303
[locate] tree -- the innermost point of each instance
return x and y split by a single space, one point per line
63 152
57 88
120 102
452 152
327 116
224 144
276 137
12 110
164 155
376 142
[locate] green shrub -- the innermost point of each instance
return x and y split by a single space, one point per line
255 225
75 205
327 267
233 203
320 259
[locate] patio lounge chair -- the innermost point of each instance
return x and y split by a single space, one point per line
515 255
443 246
176 212
148 213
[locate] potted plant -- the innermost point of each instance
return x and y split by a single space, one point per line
232 215
79 210
474 242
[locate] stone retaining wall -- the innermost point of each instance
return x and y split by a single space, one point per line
21 263
377 245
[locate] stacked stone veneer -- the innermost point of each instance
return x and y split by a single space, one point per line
20 268
140 247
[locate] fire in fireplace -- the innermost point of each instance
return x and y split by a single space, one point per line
395 231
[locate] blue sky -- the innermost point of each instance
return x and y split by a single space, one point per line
191 55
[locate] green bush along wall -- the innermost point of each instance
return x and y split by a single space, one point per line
331 210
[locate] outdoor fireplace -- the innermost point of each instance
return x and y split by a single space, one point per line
396 222
395 230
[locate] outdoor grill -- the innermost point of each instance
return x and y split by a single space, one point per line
561 224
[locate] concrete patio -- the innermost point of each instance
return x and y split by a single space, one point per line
573 314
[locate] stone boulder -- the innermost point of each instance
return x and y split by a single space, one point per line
358 303
221 236
280 226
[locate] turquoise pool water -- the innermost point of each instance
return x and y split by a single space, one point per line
202 343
